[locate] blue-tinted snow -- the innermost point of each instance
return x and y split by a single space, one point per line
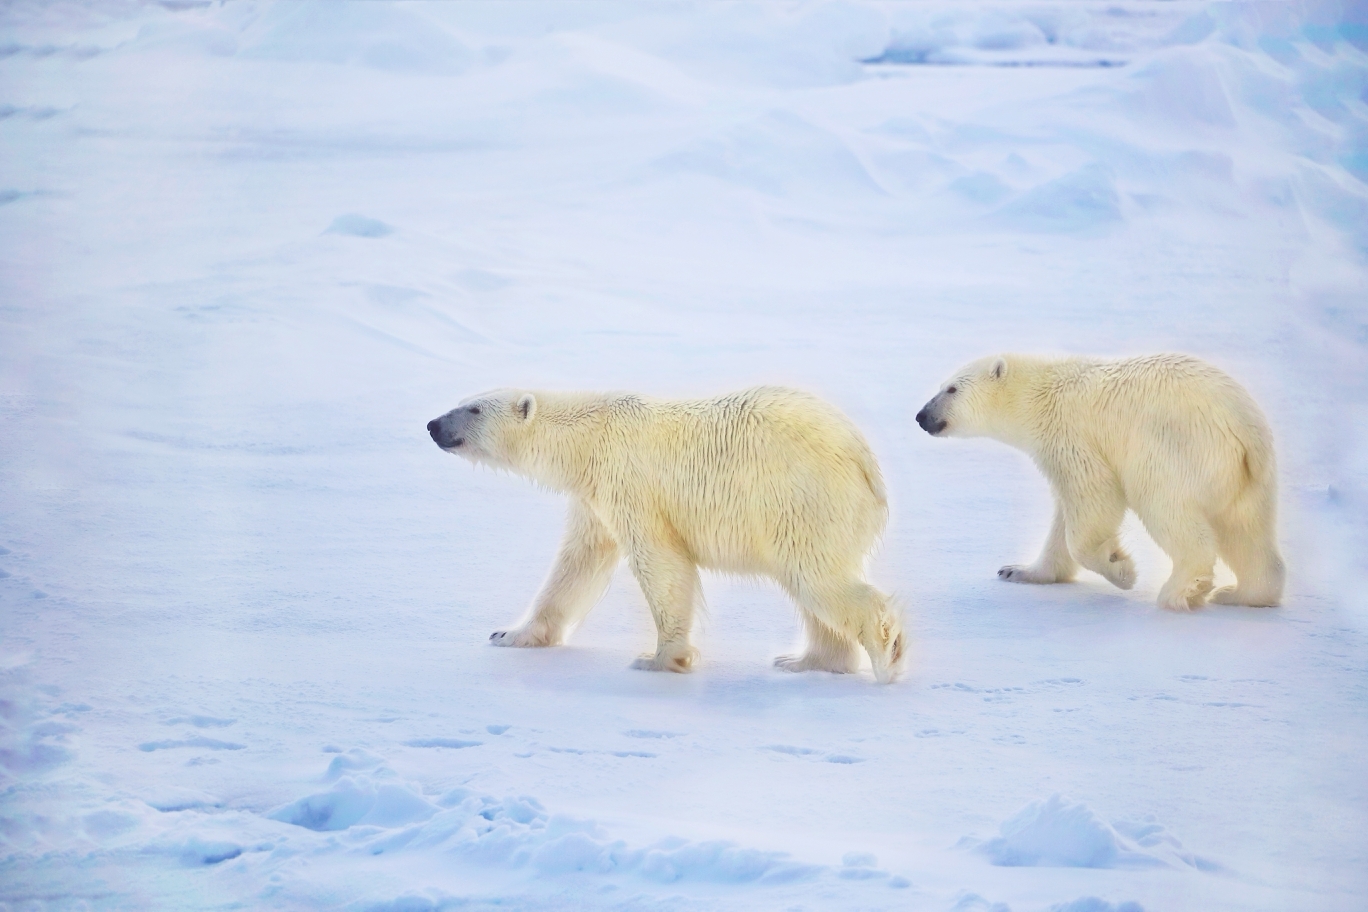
247 250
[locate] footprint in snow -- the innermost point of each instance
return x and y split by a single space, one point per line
811 752
576 750
206 743
201 721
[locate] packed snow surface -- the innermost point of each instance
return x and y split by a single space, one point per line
247 250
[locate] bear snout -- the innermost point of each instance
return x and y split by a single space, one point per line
931 426
441 437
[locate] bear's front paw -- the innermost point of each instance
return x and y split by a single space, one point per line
1013 573
846 664
1121 570
1021 573
522 636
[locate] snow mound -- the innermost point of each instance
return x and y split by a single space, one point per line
170 799
777 154
1027 36
352 802
359 226
29 745
383 815
972 902
381 36
1058 833
195 852
1093 904
1082 200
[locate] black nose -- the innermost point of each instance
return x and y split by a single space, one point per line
921 419
433 427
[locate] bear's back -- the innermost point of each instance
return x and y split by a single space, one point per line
745 476
1167 411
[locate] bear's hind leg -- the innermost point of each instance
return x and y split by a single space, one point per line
1253 555
588 555
1189 541
1055 564
827 650
669 579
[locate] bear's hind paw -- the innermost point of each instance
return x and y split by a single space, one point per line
678 662
1190 597
1231 595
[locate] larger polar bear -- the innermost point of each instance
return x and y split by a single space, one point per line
766 481
1170 436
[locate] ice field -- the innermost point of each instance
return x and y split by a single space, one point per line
248 250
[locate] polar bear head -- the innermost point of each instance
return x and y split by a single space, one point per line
487 428
972 402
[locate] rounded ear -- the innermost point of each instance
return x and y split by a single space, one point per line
527 406
999 369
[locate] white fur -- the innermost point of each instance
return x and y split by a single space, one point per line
1169 436
767 481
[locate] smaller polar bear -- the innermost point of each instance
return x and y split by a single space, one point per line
767 481
1169 436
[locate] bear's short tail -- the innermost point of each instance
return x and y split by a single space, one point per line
1259 464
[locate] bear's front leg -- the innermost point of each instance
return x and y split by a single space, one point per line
669 579
1093 508
1055 564
583 569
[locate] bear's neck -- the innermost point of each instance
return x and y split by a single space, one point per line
557 449
1028 408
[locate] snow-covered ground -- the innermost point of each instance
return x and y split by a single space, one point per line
248 250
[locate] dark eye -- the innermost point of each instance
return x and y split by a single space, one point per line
952 390
474 410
